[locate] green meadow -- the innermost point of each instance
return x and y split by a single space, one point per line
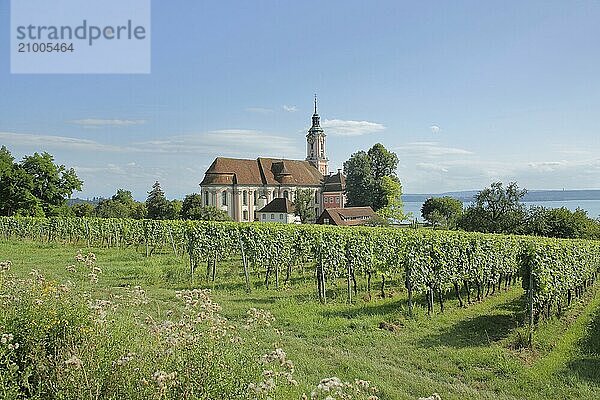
106 336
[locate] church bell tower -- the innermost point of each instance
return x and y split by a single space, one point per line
315 144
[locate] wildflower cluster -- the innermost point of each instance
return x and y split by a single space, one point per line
44 290
201 317
89 261
202 310
256 317
7 339
164 380
138 296
126 359
100 308
5 266
434 396
74 362
37 277
282 369
334 388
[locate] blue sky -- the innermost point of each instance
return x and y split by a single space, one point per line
464 92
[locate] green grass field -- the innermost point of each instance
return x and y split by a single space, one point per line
466 353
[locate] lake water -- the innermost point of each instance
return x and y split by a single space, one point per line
591 206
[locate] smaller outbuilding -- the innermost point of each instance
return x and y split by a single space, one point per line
278 210
334 190
349 216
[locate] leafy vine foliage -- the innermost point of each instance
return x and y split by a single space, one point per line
433 264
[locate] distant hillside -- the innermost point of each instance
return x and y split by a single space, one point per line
533 195
77 200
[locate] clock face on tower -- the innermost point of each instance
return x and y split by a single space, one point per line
311 139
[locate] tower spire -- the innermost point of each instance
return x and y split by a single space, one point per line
315 141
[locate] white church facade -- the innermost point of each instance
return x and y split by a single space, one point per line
242 187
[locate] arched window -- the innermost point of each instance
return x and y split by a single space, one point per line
206 198
317 197
245 198
224 198
256 197
286 194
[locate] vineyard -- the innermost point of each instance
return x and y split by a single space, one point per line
432 264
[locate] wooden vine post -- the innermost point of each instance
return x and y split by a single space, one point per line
245 265
409 289
530 307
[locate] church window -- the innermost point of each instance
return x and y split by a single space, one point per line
272 216
285 194
264 216
205 198
245 198
224 198
245 215
255 197
316 197
317 211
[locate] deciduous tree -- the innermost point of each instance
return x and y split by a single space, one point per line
303 205
496 209
35 186
371 181
193 209
52 184
445 211
389 199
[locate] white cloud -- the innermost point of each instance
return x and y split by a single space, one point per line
96 123
227 142
49 141
431 167
435 129
290 108
547 165
351 128
259 110
430 149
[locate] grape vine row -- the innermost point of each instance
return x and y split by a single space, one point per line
432 264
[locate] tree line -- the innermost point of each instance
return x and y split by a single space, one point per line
36 186
499 209
156 206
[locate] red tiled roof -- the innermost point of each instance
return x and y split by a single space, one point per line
262 171
302 172
346 216
279 205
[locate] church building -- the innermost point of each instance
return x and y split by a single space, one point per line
242 187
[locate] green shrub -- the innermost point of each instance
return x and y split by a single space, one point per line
57 343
